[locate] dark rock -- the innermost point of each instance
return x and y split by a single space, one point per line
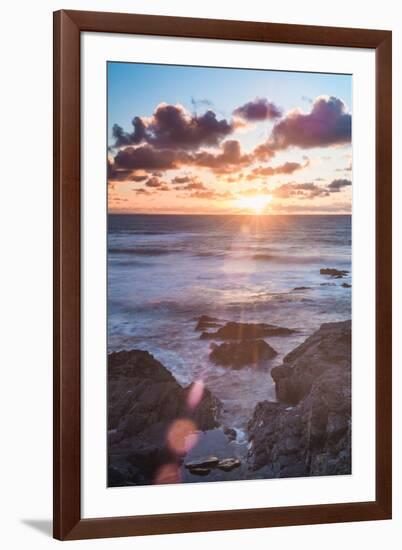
346 285
313 437
240 354
205 322
230 433
228 464
205 462
246 331
144 400
200 471
329 346
207 411
302 288
336 273
116 478
203 466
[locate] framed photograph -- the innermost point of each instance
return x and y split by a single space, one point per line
222 269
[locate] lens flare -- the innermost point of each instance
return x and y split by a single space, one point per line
168 473
195 394
182 436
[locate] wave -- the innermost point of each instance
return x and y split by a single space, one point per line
142 251
287 259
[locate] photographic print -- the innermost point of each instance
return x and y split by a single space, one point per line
229 274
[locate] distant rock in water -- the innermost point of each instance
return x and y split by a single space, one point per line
246 331
205 322
302 288
336 273
346 285
240 354
313 435
144 401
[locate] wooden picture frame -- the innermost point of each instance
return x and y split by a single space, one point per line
68 26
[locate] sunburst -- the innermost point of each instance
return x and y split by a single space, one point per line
255 204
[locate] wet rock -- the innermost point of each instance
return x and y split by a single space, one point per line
240 354
346 285
312 437
228 464
205 322
203 466
144 400
205 462
206 411
302 288
246 331
230 433
200 471
336 273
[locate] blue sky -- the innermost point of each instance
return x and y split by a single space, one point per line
136 88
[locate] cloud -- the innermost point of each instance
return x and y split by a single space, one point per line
139 177
308 190
258 109
286 168
123 138
347 168
254 191
327 124
146 157
200 102
230 157
194 186
118 199
306 208
300 190
264 151
155 182
188 183
181 179
116 175
209 194
173 127
142 191
336 185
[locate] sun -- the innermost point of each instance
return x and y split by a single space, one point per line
255 203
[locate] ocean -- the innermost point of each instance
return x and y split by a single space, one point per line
164 271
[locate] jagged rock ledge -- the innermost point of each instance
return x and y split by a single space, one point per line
233 330
308 432
240 354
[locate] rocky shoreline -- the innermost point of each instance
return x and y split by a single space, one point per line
146 407
153 421
308 431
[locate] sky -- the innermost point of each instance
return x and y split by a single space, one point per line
201 140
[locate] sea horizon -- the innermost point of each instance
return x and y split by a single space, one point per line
256 216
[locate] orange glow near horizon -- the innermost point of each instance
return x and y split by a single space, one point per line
256 204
